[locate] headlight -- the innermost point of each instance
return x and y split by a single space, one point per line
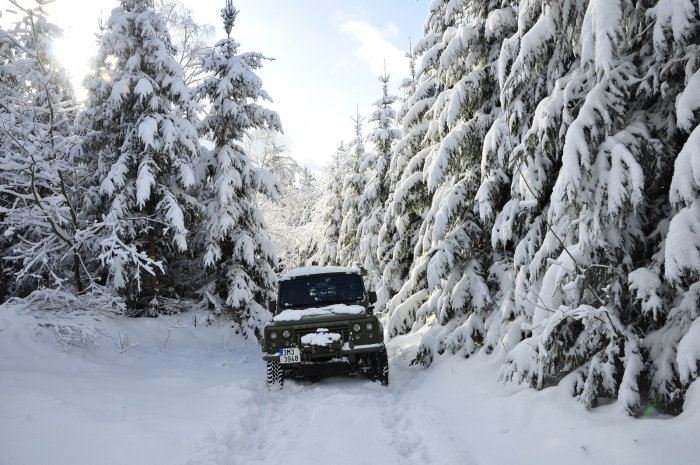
357 327
286 334
369 326
273 335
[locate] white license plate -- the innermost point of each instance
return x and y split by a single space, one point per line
290 355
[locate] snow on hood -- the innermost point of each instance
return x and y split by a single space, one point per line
312 270
338 309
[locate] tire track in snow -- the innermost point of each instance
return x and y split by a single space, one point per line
336 420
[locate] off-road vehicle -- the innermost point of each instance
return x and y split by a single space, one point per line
324 323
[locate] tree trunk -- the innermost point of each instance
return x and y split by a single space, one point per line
74 217
152 249
76 273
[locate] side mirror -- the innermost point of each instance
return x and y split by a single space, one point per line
272 306
372 297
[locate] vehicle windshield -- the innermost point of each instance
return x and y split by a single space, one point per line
310 290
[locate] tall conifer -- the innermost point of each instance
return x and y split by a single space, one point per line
237 248
143 144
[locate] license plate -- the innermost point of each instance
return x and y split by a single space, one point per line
290 355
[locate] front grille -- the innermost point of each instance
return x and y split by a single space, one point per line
342 330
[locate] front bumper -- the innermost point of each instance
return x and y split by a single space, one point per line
344 352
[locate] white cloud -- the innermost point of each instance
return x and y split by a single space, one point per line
390 30
375 50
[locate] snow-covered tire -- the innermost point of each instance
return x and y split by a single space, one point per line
275 376
380 367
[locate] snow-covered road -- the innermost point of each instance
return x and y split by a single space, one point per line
190 395
337 420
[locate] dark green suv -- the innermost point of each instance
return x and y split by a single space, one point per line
324 323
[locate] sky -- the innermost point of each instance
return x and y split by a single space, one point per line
328 57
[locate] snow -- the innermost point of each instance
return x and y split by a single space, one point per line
346 346
689 353
688 103
338 309
313 270
320 338
645 282
189 395
683 243
600 32
673 18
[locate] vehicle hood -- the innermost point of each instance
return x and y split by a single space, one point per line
338 309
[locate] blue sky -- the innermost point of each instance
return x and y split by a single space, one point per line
328 56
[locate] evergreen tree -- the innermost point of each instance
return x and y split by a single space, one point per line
142 146
522 156
589 171
332 208
408 202
447 284
354 180
373 201
455 240
237 248
667 289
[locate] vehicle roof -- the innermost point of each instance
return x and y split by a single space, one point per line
314 270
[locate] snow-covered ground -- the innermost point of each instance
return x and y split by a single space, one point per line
162 391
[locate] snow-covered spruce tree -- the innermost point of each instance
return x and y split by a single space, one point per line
597 228
237 249
142 144
454 252
667 288
37 179
331 207
409 199
354 181
373 201
394 270
521 157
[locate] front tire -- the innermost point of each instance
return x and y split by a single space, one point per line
380 367
275 376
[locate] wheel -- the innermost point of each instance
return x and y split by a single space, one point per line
380 367
275 376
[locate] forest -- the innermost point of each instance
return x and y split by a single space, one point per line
533 192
